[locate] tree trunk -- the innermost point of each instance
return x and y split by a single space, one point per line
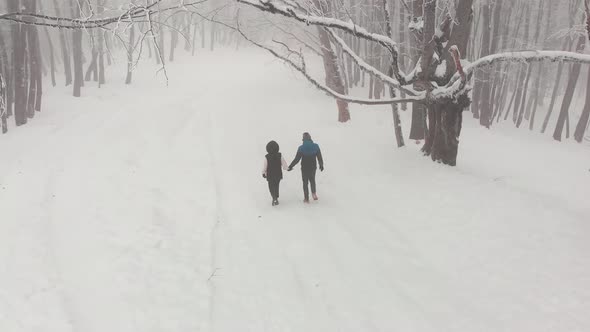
91 71
212 41
402 48
194 44
556 87
162 54
101 75
77 52
333 76
533 110
173 39
522 111
64 48
446 117
569 92
522 105
3 105
35 75
51 57
485 113
101 45
583 122
130 49
19 63
399 136
418 124
203 33
7 76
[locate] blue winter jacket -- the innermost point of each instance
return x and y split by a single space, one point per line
308 153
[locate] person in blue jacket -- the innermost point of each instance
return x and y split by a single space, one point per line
310 155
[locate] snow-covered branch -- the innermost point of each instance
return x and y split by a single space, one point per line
363 65
134 14
454 85
330 92
296 13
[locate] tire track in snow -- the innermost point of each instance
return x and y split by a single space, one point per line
220 217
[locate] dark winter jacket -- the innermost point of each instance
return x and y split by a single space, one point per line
274 162
308 152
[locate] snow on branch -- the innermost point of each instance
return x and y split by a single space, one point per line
296 13
301 68
134 14
363 65
457 82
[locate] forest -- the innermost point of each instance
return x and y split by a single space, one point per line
294 165
521 61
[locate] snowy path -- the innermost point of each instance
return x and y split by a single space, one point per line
143 209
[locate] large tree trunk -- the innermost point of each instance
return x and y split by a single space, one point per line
445 118
333 76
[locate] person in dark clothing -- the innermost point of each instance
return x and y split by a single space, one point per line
274 163
308 153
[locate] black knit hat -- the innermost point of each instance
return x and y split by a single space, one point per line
272 147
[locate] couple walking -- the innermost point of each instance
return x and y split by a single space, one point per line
308 153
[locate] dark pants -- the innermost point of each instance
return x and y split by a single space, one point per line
308 176
273 187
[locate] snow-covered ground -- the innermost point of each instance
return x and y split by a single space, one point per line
142 208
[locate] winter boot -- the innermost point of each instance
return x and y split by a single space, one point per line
306 200
315 197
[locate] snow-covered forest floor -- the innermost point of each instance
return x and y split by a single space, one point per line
142 208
